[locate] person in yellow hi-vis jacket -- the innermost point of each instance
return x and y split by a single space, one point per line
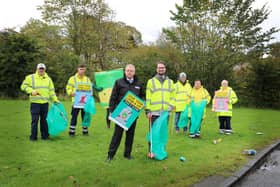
199 99
230 97
39 86
182 90
79 82
160 95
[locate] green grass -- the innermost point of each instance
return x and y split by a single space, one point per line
80 161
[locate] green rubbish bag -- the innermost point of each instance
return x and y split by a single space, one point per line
90 106
87 119
89 109
158 136
184 118
197 111
57 119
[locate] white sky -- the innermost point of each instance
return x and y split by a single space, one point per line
142 14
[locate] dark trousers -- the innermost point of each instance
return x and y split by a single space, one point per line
39 111
116 140
225 122
75 113
107 117
177 118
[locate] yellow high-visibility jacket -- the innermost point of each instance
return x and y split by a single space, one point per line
226 92
182 95
200 94
42 84
78 83
160 96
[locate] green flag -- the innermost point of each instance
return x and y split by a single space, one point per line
106 80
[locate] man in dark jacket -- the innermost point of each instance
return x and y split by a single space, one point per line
128 83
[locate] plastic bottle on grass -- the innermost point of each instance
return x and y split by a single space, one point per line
182 159
249 152
217 141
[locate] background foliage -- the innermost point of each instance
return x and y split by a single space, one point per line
211 41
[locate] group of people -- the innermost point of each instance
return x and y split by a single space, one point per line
161 94
40 88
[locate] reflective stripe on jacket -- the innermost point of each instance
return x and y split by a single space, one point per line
160 96
182 95
42 84
75 83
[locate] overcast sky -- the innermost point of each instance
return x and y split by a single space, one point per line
142 14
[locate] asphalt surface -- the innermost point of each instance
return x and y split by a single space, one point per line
267 175
213 181
263 170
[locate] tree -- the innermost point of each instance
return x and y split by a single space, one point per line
145 59
215 36
91 31
54 50
18 57
82 22
263 83
274 50
260 79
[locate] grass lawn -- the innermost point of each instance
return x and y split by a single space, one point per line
80 161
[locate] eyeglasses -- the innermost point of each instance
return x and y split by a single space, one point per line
161 68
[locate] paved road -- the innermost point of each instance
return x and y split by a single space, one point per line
267 175
213 181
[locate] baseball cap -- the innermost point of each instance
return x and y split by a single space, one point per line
182 74
41 65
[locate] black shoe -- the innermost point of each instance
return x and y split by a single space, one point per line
85 133
128 157
47 138
71 134
108 126
109 159
33 139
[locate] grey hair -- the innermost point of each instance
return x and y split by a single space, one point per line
130 65
224 81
